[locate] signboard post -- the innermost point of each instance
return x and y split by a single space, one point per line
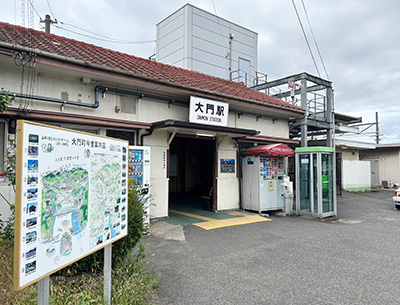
43 291
71 199
107 274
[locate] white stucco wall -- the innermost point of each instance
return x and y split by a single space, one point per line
266 126
158 179
227 183
356 176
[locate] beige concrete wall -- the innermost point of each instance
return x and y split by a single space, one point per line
349 154
389 162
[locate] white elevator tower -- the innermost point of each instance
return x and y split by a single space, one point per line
196 40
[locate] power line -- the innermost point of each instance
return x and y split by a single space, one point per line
305 36
51 11
106 40
315 41
106 37
219 25
31 3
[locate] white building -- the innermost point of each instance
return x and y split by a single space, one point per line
88 88
196 40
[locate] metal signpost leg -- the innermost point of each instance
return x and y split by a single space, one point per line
43 291
107 274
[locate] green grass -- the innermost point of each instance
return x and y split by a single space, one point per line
131 284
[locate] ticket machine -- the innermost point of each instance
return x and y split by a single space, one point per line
264 170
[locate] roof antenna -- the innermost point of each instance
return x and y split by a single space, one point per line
47 22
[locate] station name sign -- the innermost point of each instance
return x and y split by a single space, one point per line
205 111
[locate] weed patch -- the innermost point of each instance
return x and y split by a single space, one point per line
132 283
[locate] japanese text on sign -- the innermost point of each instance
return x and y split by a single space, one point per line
209 112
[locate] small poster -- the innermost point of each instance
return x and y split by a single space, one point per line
227 165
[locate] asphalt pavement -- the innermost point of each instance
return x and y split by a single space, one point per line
289 260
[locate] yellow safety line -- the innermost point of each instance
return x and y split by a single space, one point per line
212 223
190 215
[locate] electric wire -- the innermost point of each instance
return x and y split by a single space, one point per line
315 41
305 36
109 39
31 3
219 25
51 11
106 40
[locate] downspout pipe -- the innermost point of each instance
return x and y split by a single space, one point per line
146 135
96 104
53 100
97 89
240 172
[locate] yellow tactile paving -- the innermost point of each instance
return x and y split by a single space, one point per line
190 215
223 223
212 224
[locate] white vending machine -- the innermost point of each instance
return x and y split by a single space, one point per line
139 177
264 169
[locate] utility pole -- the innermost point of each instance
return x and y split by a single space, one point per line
377 127
47 22
304 122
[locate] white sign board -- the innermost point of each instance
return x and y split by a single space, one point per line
71 198
205 111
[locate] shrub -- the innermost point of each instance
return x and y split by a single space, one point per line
7 226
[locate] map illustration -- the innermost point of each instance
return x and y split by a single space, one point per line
64 207
105 200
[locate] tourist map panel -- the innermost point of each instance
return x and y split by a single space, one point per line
71 198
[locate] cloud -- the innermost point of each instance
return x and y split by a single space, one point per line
358 40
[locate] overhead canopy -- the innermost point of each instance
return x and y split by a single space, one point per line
271 150
194 128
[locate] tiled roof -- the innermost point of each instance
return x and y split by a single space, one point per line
78 50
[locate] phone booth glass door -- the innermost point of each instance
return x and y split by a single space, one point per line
315 181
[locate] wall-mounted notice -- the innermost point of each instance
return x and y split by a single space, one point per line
227 165
71 198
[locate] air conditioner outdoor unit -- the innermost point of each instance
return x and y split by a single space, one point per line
387 183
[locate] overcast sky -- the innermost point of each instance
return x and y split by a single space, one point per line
359 41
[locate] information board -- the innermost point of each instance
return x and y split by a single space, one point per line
71 200
227 165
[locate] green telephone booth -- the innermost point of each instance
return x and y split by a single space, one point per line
315 181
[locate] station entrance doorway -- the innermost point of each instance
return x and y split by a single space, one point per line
191 173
